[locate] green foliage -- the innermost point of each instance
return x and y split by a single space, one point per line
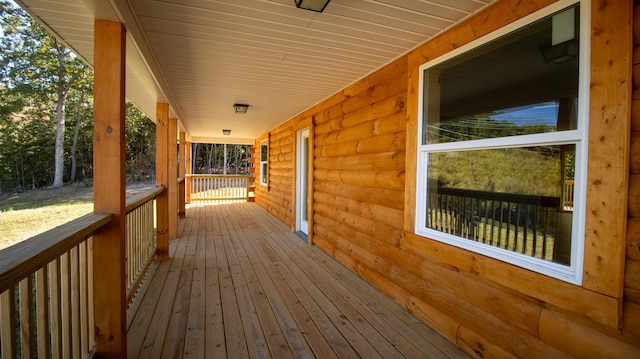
531 171
209 158
36 70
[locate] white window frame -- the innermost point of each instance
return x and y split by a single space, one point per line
264 162
573 272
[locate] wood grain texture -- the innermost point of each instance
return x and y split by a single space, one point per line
609 132
109 185
162 180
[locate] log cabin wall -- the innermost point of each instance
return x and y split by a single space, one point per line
365 140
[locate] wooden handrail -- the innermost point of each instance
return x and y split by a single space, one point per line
22 259
143 197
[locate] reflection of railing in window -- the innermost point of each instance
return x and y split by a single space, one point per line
519 223
568 195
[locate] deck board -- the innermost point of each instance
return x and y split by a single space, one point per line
240 284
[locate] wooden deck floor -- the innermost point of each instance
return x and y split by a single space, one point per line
241 285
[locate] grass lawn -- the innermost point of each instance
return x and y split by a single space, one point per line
24 215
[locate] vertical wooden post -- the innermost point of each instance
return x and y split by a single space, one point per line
162 180
188 172
181 173
109 189
173 178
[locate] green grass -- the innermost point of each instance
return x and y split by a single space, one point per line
22 217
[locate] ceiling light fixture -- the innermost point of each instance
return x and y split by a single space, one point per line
313 5
226 132
240 108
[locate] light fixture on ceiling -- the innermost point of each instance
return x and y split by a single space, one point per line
561 52
240 108
313 5
226 132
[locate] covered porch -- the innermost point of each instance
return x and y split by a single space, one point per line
240 284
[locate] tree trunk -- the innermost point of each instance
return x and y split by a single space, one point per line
74 145
60 128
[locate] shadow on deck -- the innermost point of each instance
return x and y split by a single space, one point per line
241 284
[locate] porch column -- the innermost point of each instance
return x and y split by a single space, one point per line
173 178
181 173
187 168
162 180
109 185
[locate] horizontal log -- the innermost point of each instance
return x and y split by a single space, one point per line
478 345
377 213
392 142
442 323
632 274
633 239
381 196
635 113
386 161
596 306
481 303
359 224
369 113
583 339
634 164
379 179
634 195
631 320
632 296
390 71
380 126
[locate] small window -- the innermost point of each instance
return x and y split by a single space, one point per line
503 141
264 163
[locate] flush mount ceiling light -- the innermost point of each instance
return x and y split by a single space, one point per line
313 5
226 132
240 108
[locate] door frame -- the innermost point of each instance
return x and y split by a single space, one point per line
302 179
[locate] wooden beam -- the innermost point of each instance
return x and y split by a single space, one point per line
162 179
181 174
188 172
109 185
173 177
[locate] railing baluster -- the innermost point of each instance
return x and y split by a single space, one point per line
54 309
8 335
26 317
42 313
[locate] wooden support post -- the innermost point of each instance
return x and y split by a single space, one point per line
188 172
181 173
173 177
109 185
162 180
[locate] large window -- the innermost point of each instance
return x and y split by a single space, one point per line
264 162
503 142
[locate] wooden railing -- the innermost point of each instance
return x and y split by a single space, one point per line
519 223
141 245
226 188
568 195
46 283
47 292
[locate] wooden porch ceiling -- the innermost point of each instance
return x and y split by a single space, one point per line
202 56
240 284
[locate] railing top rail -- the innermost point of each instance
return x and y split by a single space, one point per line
24 258
213 175
544 201
143 197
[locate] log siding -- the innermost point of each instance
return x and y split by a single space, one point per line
364 205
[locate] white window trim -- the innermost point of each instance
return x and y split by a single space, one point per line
573 273
264 161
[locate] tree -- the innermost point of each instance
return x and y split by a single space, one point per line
41 70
